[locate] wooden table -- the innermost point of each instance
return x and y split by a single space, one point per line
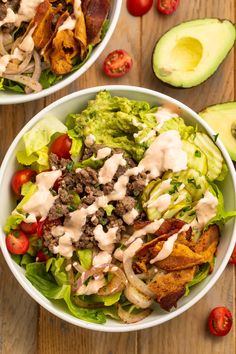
25 327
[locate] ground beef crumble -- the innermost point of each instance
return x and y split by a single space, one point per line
85 183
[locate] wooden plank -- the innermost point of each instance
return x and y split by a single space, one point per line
55 335
188 333
18 312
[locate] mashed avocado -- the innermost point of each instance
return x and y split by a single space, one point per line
116 122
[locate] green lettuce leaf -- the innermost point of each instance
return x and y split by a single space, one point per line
200 276
40 135
58 270
45 283
12 222
85 257
48 78
108 300
31 190
77 144
26 187
178 124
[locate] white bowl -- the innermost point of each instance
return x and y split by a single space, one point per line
72 104
7 97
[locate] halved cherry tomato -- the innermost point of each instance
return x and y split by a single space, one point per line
61 146
41 256
167 7
29 228
220 321
17 242
117 63
139 7
20 177
232 259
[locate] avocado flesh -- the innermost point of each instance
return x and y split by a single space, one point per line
222 119
191 52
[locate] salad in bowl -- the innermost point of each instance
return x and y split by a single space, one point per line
119 208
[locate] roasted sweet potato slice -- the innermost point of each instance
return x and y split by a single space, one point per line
170 287
43 21
80 33
182 257
95 12
207 244
64 49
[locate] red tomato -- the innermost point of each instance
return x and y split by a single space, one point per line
117 63
232 259
61 146
139 7
19 178
17 242
57 183
167 7
29 228
220 321
41 256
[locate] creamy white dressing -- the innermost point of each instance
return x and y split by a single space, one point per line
161 203
130 216
148 229
68 24
64 247
93 286
132 249
42 200
168 245
77 8
206 209
103 153
162 115
89 140
118 254
30 218
27 11
27 45
110 167
10 17
106 240
102 258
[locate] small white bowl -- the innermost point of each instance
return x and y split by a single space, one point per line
7 97
72 104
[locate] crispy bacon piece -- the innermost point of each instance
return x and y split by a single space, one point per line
43 22
95 12
64 49
169 226
170 287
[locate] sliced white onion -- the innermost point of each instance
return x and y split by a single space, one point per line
3 50
134 280
25 80
85 304
20 68
137 298
127 317
37 70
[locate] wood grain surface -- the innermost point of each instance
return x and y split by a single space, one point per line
25 327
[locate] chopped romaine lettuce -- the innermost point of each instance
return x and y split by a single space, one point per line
85 257
13 221
45 283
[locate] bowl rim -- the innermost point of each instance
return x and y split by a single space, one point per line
37 296
14 98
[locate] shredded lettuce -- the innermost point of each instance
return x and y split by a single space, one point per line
85 257
45 283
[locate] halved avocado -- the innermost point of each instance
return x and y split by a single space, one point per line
222 118
191 52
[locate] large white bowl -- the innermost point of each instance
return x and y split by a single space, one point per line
72 104
7 97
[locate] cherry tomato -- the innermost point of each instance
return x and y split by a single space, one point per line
220 321
29 228
17 242
139 7
19 178
167 7
41 256
232 259
117 63
61 146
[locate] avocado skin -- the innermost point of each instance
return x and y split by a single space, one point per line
172 85
228 140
